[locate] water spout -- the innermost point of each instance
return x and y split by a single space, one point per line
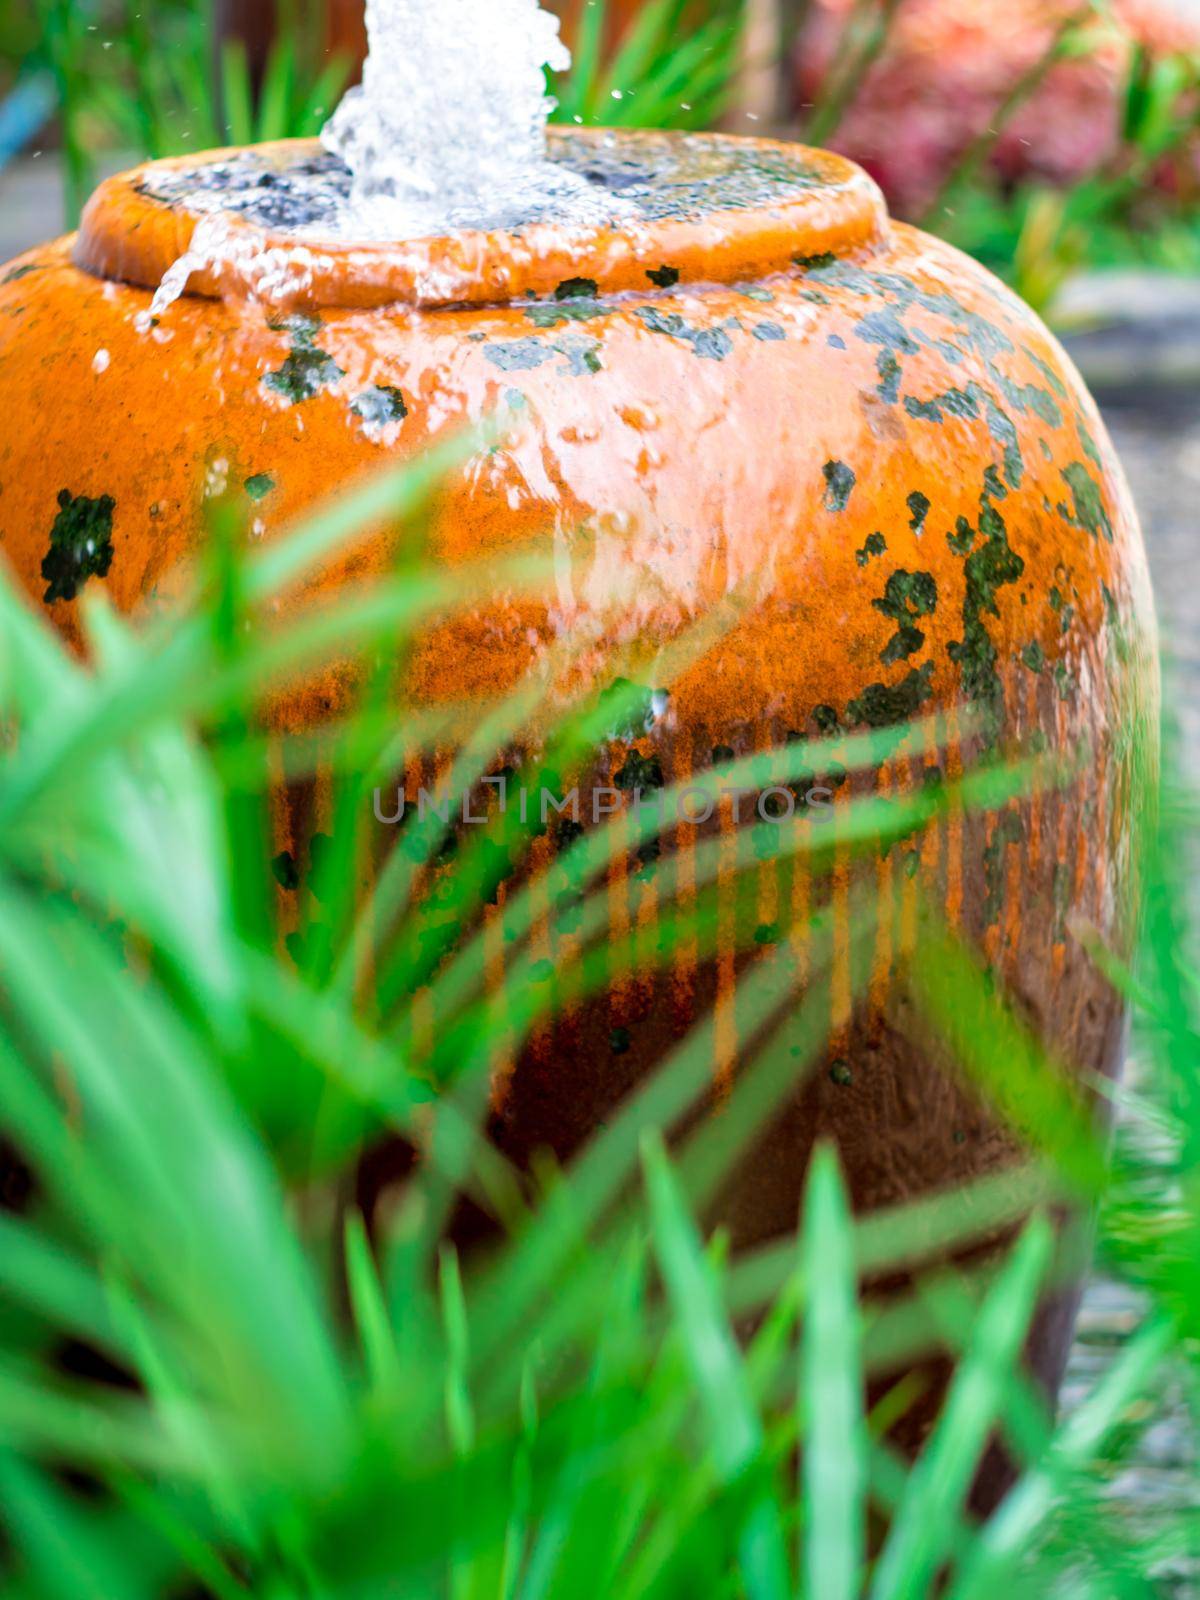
449 127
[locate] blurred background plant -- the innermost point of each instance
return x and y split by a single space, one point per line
1041 135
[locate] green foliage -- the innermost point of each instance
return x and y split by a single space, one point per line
1038 237
196 1048
674 67
168 86
868 29
1138 207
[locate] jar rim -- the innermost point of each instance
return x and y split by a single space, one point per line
711 208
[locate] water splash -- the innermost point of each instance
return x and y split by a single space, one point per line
449 127
220 245
446 133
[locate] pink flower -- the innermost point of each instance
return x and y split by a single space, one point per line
947 70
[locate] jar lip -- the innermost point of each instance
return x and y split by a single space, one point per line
698 208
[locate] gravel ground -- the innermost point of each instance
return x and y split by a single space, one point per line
1158 437
1157 432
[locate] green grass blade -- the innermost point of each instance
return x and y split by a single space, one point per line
831 1393
998 1550
734 1428
274 103
942 1477
460 1420
42 1274
238 93
576 94
369 1306
65 1551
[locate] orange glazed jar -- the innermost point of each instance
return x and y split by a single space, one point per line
755 385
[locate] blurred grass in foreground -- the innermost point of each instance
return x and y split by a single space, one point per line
274 1406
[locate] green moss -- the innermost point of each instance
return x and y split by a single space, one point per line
883 705
581 355
1009 831
875 546
286 871
303 375
307 369
80 545
814 263
1090 513
298 325
663 277
1090 448
923 410
839 485
1034 657
908 597
578 309
577 289
640 773
890 374
991 566
1004 432
841 1074
379 405
963 537
960 403
968 404
567 832
1028 397
647 854
259 486
710 344
518 355
919 507
993 485
18 273
886 328
1047 372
